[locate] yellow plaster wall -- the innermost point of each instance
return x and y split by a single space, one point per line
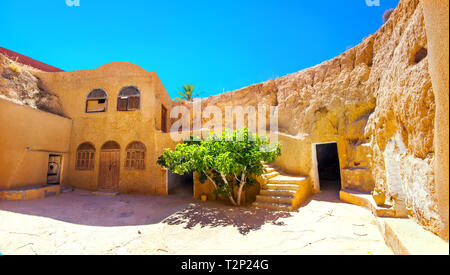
297 158
30 194
207 188
122 127
28 136
436 14
304 191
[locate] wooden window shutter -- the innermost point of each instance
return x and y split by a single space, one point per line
137 100
122 104
135 156
85 157
143 161
91 166
133 103
130 103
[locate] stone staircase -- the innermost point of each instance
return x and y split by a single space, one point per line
281 192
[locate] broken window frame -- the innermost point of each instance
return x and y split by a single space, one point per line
96 98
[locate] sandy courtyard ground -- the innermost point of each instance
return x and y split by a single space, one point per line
82 223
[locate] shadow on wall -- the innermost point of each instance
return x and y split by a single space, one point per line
215 214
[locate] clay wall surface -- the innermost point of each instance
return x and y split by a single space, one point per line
123 127
28 136
375 100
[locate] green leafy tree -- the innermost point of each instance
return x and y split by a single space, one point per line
232 159
187 93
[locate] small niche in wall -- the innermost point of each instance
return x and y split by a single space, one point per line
164 119
420 55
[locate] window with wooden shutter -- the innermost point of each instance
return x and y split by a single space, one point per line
135 157
122 104
96 101
133 103
129 99
85 157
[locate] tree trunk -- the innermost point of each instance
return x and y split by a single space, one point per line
213 182
230 195
241 187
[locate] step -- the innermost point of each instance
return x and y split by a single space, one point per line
366 200
275 199
406 237
67 189
282 186
271 175
105 193
34 192
269 170
287 179
273 206
278 193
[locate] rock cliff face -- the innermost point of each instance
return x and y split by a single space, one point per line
376 100
18 84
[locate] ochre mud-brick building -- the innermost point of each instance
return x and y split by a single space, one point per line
115 127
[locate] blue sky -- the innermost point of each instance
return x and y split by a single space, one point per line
216 45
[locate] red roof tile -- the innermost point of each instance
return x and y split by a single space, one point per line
29 61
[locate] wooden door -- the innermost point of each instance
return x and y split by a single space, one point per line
109 170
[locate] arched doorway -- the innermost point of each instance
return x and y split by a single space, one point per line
109 167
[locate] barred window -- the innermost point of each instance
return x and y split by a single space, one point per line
85 157
135 156
129 99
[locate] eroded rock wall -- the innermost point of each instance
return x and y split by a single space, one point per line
19 84
402 125
376 100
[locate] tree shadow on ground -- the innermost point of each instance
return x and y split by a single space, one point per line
245 219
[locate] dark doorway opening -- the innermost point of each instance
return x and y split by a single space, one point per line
54 169
181 185
328 167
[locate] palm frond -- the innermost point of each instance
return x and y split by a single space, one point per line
187 93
